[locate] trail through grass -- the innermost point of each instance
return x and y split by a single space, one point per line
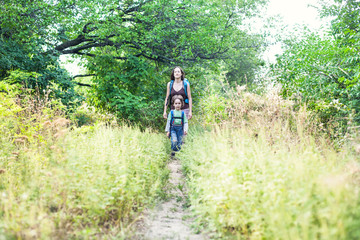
261 169
171 219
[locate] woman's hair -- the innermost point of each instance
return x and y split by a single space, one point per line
182 73
178 97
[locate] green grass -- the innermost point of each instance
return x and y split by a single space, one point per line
62 182
263 170
88 184
272 187
258 170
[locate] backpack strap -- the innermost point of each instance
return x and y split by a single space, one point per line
186 83
168 99
182 119
172 118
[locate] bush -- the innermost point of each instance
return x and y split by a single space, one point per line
323 72
240 108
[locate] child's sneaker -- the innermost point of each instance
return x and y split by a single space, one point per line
172 154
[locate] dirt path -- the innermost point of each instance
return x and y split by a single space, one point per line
169 220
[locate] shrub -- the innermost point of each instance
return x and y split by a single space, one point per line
324 74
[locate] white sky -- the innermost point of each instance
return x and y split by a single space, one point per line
293 12
74 67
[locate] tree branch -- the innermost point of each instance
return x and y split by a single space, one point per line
83 75
80 39
83 84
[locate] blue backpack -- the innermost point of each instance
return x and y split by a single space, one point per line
186 83
172 119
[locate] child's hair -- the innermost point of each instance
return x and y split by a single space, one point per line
178 97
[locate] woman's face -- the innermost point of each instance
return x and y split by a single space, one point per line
177 73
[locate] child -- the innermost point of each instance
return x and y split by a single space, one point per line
177 125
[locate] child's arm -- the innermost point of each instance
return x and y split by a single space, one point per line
186 128
167 128
186 125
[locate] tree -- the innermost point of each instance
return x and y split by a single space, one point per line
112 35
346 17
324 70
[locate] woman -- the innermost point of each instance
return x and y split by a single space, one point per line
177 88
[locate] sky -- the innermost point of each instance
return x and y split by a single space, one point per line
293 12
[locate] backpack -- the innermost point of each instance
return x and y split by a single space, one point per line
172 119
186 83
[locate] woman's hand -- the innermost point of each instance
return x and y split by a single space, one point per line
168 134
190 115
165 115
185 132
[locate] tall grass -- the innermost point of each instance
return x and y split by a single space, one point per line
87 183
265 171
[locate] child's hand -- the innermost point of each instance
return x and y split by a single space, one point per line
185 132
168 134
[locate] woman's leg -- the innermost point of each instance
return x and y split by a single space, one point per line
186 111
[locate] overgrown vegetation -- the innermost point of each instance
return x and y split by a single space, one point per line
127 47
323 71
90 182
280 165
266 171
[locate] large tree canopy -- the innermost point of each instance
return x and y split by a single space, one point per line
127 44
160 30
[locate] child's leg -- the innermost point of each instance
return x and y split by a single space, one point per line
174 140
179 134
180 137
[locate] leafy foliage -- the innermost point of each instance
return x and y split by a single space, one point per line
130 89
31 69
148 36
323 74
324 71
346 14
244 61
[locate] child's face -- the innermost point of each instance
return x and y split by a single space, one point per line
177 104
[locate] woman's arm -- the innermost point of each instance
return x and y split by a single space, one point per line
166 98
190 101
